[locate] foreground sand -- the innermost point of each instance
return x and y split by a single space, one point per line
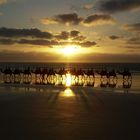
63 114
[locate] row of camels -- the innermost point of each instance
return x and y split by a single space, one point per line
42 72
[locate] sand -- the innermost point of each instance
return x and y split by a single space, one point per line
60 113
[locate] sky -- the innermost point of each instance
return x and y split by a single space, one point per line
69 30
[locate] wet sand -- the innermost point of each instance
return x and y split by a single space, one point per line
59 113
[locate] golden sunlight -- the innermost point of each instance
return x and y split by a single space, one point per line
70 50
68 80
67 93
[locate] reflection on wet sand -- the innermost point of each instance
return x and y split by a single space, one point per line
67 93
69 80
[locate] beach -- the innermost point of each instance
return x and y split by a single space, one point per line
78 113
58 108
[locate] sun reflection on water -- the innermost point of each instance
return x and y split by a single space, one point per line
68 80
67 93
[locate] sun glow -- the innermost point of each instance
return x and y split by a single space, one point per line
68 80
67 93
70 49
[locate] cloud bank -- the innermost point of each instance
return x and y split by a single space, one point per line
75 19
11 36
114 6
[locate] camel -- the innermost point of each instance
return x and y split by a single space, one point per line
17 75
27 72
103 73
89 73
7 74
27 76
38 75
44 74
126 74
112 74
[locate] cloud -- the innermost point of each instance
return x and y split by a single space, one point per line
134 41
52 43
64 35
88 44
35 42
46 43
114 37
72 35
133 27
74 19
98 19
17 33
4 41
67 19
113 6
36 37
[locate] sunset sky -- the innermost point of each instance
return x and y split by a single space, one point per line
70 30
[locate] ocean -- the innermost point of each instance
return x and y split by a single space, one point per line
133 67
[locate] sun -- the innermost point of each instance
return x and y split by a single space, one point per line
70 49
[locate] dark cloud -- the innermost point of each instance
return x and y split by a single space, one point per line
67 19
73 35
4 41
88 44
39 42
46 43
134 41
96 19
35 42
114 37
74 19
112 6
133 27
79 38
64 35
17 33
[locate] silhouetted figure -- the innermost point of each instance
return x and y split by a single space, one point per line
44 75
127 83
38 75
104 84
89 73
126 74
103 73
112 74
7 75
17 75
27 76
